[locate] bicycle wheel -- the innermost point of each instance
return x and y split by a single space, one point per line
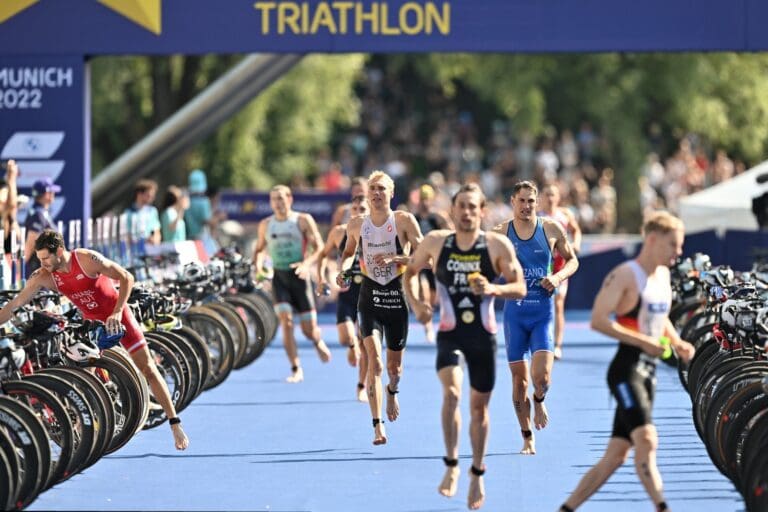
190 362
218 339
170 370
256 333
198 345
10 473
56 421
28 436
236 326
80 412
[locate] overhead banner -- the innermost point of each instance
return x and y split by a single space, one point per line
90 27
43 123
254 206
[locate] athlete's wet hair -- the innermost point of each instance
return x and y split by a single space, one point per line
661 222
524 184
383 177
470 188
50 240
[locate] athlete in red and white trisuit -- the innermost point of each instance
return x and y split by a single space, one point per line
85 278
550 207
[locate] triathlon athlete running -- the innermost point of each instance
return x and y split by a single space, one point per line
382 309
528 322
346 304
466 262
287 235
550 207
638 292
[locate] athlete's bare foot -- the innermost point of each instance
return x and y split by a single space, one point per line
393 407
180 439
379 435
362 396
540 416
529 446
353 354
322 351
450 483
476 495
296 376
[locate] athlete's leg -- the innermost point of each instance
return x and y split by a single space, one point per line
646 441
478 433
428 296
362 372
285 314
375 368
451 378
347 338
146 365
522 405
615 455
394 371
541 375
312 331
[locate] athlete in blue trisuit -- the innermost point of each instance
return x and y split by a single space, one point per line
529 323
466 262
288 236
633 308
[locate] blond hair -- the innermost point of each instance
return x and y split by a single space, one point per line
661 222
383 177
281 189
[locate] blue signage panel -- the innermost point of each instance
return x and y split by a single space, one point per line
299 26
43 126
254 206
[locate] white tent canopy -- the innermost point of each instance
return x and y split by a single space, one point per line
727 205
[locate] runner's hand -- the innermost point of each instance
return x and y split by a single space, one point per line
113 323
685 351
301 270
550 283
423 312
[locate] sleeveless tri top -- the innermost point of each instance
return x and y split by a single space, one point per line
535 257
380 240
94 296
285 241
461 310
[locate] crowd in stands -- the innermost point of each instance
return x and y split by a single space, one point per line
432 142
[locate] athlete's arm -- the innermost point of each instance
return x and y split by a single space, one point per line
575 229
618 290
312 236
502 228
338 215
261 245
684 350
39 279
334 238
353 237
412 235
94 263
444 221
554 230
505 263
424 253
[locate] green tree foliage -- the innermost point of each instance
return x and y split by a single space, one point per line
275 136
721 97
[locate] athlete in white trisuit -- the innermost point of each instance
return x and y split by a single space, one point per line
385 237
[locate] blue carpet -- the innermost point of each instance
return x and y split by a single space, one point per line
258 443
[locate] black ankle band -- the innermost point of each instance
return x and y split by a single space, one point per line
376 421
360 385
527 434
661 506
565 508
174 421
451 463
537 399
392 392
477 472
294 369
